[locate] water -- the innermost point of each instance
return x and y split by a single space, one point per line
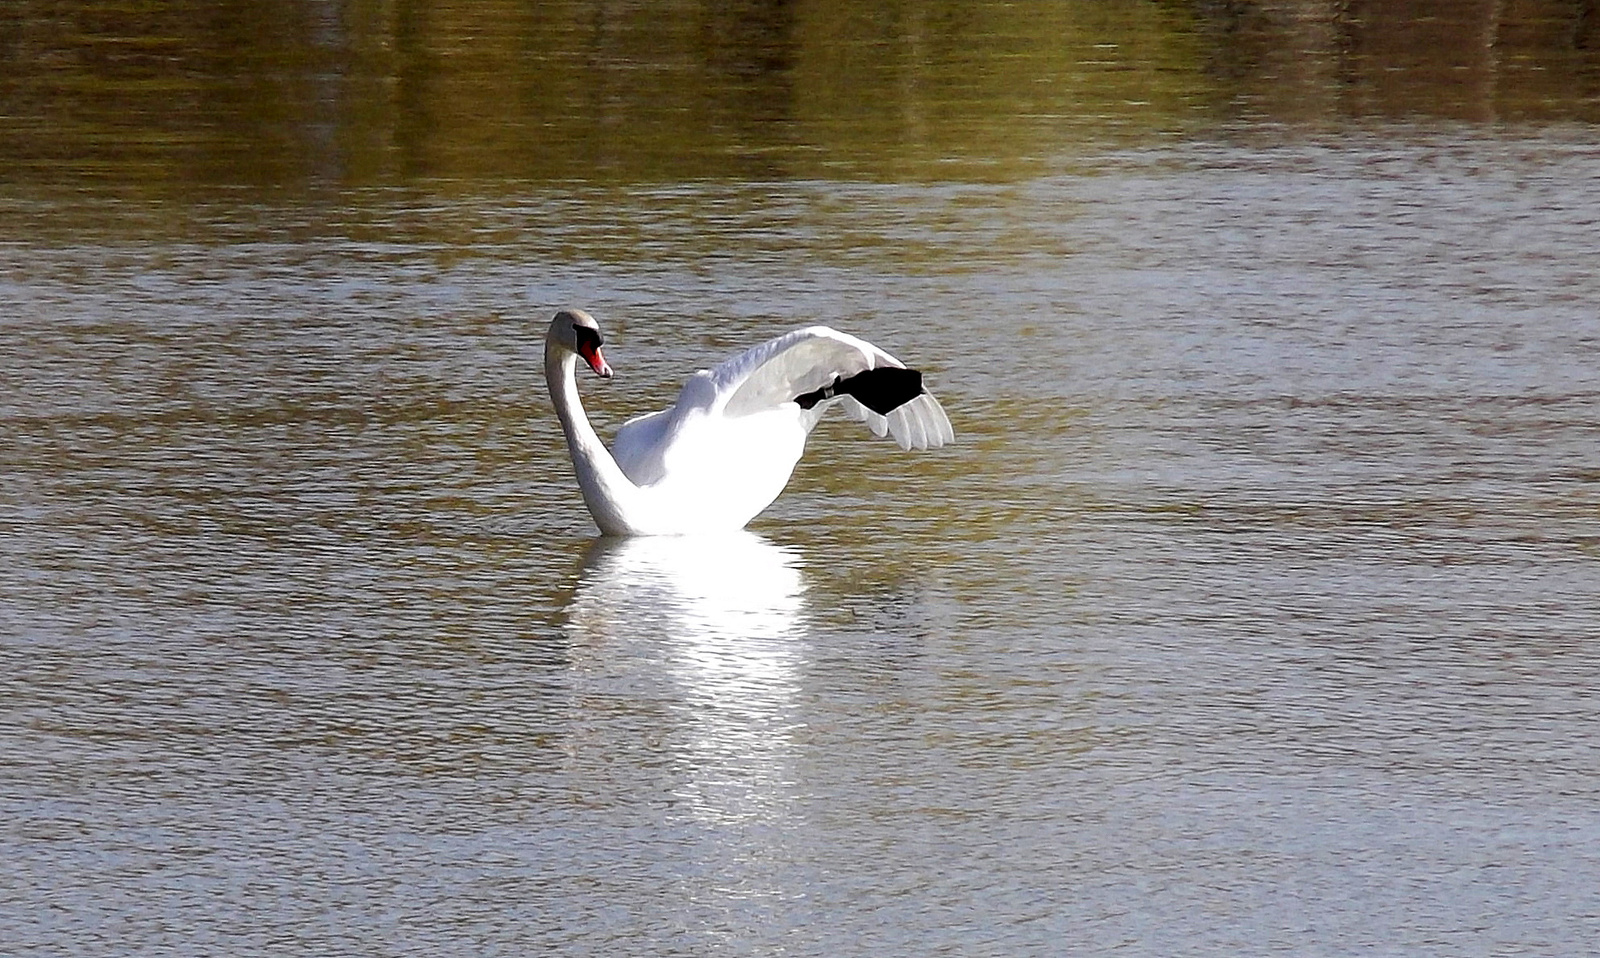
1252 612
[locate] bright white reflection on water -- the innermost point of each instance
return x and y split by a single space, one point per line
719 621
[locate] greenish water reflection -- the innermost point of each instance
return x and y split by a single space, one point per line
163 96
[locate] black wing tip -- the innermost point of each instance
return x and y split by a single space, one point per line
882 390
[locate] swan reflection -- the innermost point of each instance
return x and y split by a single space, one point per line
694 645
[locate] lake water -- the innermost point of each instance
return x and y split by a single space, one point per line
1254 610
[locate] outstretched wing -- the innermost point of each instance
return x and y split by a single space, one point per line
816 360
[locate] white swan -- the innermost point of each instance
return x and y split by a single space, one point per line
725 450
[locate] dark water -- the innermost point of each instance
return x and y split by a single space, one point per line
1253 611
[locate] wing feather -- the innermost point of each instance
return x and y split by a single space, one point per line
795 363
904 428
806 360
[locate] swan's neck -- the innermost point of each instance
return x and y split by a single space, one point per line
608 493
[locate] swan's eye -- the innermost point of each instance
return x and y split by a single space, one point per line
587 337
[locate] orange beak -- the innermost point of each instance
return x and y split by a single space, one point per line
597 362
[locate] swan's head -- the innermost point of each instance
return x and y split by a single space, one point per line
576 331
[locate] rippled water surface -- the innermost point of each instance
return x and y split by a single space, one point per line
1253 612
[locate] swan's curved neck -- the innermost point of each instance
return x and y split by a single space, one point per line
606 490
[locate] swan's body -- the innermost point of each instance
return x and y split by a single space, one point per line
716 458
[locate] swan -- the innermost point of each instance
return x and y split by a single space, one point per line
712 461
